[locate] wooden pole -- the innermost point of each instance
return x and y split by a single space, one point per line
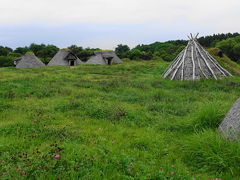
174 74
193 64
223 71
196 36
205 61
191 36
183 61
199 64
173 65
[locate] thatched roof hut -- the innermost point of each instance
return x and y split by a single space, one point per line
195 63
29 60
104 58
65 57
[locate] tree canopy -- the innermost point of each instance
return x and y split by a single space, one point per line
229 43
83 54
231 47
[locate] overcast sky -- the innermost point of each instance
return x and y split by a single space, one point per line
106 23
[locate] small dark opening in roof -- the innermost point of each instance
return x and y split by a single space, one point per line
220 53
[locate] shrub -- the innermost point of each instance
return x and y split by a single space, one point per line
136 54
6 61
122 50
4 51
45 60
230 47
15 55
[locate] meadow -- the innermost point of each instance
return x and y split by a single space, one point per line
114 122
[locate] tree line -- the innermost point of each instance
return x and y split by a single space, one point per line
42 51
229 43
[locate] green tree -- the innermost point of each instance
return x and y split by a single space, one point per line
210 41
5 50
122 50
231 47
6 61
21 50
47 52
36 48
136 54
14 55
83 54
236 50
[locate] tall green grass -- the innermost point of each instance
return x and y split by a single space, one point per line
114 122
210 153
210 116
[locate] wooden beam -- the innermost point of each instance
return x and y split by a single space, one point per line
173 65
193 64
196 36
183 61
199 64
174 74
191 36
205 61
223 71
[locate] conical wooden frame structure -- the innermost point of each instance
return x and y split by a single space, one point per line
195 63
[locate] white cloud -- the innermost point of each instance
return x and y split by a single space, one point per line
204 12
108 22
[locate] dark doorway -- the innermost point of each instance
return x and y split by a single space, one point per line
109 60
72 63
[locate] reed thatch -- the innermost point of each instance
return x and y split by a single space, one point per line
104 58
65 57
29 60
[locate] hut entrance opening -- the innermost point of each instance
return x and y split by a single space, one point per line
72 63
109 60
72 59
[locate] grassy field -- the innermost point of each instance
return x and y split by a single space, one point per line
114 122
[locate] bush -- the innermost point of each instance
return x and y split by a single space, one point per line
46 60
138 55
12 54
4 51
122 50
82 53
231 47
6 61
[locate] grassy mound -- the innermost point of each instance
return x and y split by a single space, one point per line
226 62
114 122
